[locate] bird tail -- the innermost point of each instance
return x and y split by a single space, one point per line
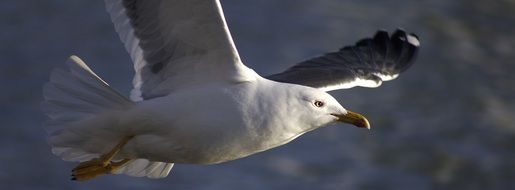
75 98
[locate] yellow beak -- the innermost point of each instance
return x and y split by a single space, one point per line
353 118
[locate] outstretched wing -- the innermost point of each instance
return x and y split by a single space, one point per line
174 43
367 64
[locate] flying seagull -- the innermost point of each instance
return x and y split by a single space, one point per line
194 101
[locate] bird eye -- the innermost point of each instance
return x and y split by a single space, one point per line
318 103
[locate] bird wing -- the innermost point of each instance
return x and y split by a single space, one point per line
175 44
368 63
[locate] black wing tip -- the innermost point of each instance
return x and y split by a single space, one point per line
410 38
399 35
406 47
382 37
400 49
378 58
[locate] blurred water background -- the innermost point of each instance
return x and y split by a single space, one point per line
447 123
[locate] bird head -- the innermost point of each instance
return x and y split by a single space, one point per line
320 108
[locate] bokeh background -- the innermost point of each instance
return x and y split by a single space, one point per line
447 123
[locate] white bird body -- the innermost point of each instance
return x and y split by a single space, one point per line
193 100
242 118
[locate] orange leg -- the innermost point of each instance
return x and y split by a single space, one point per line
100 166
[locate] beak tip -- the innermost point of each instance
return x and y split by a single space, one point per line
367 124
364 124
354 119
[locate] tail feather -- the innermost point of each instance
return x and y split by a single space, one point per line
73 97
144 167
76 95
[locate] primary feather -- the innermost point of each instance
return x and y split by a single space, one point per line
368 63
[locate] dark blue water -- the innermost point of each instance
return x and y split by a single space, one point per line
447 123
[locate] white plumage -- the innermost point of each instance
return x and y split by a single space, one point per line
193 100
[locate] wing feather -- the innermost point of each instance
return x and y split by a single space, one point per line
368 63
174 43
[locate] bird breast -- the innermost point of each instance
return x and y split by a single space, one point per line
206 125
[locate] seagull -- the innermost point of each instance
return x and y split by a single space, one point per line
194 101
